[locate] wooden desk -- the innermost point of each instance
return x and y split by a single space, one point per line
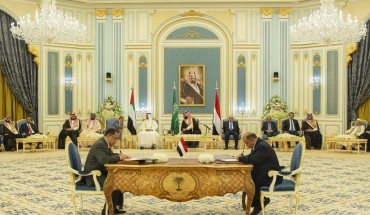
50 143
348 144
283 142
205 139
179 181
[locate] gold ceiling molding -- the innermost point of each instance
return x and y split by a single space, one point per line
283 11
192 13
118 12
34 50
349 50
232 12
152 12
101 12
267 11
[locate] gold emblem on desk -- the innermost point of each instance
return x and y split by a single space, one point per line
178 186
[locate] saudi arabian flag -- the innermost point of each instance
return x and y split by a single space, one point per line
175 114
131 123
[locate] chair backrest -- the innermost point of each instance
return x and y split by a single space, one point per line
20 122
272 120
73 157
109 122
297 160
364 123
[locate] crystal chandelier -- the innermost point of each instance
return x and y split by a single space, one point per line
50 26
327 26
315 82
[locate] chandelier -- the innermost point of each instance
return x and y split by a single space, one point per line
50 26
327 26
315 82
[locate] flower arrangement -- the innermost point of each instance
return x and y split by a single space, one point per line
276 108
160 157
109 108
206 158
345 137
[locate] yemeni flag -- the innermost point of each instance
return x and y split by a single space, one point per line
175 114
216 130
131 123
181 147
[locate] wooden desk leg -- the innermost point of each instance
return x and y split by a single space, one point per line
108 189
16 145
250 189
285 145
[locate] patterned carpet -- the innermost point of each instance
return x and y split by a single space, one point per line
37 183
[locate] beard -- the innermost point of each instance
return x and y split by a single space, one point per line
185 117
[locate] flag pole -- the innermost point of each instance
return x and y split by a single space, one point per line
216 86
174 85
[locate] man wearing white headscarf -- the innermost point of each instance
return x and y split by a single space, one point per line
148 136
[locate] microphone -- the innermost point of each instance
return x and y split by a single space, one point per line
206 126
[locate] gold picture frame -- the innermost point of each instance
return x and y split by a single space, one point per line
192 85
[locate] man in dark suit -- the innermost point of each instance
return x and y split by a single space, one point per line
231 127
28 129
71 128
263 158
291 125
269 127
99 155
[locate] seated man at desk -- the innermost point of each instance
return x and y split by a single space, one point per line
29 129
263 158
71 129
91 125
190 125
148 136
231 128
10 134
100 154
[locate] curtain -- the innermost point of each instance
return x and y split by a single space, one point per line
18 68
10 107
358 77
364 111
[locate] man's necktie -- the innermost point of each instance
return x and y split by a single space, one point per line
269 126
291 125
230 125
29 129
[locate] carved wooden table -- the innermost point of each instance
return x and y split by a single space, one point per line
50 143
179 180
348 144
283 142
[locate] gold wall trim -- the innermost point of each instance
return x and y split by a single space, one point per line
266 11
305 57
283 11
192 13
296 57
316 63
79 57
349 50
254 57
88 57
118 12
36 54
101 12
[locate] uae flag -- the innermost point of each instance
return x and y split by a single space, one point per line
175 114
181 147
216 130
131 123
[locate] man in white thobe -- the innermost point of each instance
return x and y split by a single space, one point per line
148 136
90 126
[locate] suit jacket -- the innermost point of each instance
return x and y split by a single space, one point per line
286 125
265 126
7 130
225 126
116 125
24 129
263 158
99 155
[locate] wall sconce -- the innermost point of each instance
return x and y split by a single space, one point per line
69 83
315 82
